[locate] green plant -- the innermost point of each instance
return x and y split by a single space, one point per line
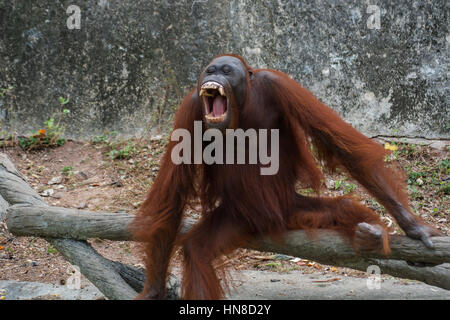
374 203
413 176
444 187
124 153
67 171
99 139
51 249
415 193
337 184
107 138
63 101
349 187
445 164
50 135
27 143
409 149
4 91
273 264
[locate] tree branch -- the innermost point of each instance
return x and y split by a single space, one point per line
100 271
324 246
103 273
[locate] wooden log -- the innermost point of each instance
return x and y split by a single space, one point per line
99 270
13 185
3 207
56 222
16 191
324 246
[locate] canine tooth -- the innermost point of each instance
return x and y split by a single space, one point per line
221 91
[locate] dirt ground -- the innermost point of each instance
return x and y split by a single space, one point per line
84 175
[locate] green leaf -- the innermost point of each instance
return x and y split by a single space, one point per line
60 142
63 101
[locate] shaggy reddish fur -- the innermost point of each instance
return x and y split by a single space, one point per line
238 203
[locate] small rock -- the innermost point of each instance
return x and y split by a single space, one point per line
282 257
137 204
31 263
48 193
57 195
439 145
330 184
419 181
55 180
156 137
82 205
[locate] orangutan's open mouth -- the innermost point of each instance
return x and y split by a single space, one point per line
215 101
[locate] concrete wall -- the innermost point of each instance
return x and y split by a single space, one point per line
131 62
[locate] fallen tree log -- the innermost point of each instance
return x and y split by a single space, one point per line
56 222
102 272
67 230
325 246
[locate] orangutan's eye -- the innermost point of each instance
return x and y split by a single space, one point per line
226 69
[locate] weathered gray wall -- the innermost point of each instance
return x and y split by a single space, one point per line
131 62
